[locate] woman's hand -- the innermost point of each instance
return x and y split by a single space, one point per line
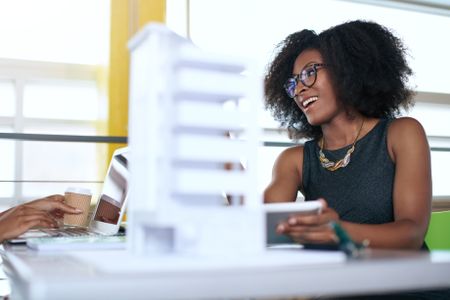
19 219
42 213
54 205
311 228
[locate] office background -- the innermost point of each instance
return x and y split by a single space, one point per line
64 71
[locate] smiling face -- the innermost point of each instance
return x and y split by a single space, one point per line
318 102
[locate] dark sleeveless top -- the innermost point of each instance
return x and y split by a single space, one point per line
361 192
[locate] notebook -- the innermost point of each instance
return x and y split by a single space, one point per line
108 213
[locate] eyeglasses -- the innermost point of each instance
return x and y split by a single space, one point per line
307 77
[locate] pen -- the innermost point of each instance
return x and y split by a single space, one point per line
346 244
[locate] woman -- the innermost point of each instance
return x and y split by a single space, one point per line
342 89
42 212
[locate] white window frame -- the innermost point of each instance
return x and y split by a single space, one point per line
19 72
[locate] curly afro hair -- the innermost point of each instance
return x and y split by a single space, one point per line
367 66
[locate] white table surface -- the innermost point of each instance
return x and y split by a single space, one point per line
116 274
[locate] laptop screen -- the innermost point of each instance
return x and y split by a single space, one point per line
114 192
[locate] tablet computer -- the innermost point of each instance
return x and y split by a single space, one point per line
280 212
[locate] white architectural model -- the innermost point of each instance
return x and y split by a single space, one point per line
186 109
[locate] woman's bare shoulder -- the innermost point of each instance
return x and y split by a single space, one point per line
399 125
291 154
290 161
405 127
406 133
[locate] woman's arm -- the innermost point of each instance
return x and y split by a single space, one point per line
286 176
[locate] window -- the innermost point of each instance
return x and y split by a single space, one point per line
434 118
7 98
69 31
7 165
62 99
52 64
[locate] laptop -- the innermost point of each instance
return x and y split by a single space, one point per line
108 213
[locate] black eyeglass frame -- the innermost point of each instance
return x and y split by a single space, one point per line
296 78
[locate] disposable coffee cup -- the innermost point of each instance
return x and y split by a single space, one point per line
79 198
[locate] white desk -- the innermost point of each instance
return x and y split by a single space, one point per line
36 276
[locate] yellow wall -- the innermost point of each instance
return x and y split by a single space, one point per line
127 17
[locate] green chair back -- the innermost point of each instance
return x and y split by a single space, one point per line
438 234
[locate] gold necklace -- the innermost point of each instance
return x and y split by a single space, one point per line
333 166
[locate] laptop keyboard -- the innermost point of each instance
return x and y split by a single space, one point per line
68 232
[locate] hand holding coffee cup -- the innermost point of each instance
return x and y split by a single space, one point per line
79 198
